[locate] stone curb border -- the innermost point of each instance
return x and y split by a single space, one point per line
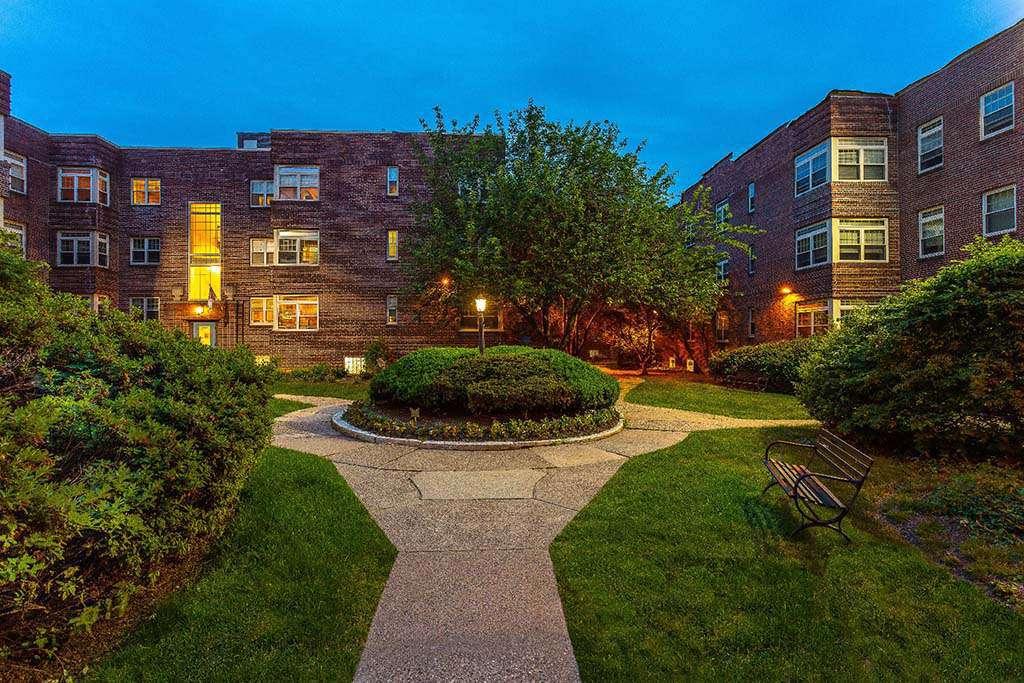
341 425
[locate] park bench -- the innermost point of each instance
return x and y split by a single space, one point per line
811 491
748 381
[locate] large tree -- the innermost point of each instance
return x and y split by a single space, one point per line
562 224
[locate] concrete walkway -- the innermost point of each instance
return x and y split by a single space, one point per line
472 594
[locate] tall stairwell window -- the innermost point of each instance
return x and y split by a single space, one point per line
204 251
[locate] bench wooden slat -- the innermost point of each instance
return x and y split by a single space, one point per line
811 488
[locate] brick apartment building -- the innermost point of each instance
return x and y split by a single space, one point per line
290 242
868 190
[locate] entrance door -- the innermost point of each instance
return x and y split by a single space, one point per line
205 333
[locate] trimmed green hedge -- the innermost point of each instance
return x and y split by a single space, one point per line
938 367
776 365
505 379
121 444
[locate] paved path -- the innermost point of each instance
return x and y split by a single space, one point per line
472 594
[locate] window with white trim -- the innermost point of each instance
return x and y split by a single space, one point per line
16 234
145 191
812 319
392 252
861 159
147 306
261 251
83 249
260 192
392 181
812 245
722 269
261 310
996 111
999 210
863 239
929 146
355 365
392 309
751 196
722 211
83 184
297 183
845 307
145 251
297 313
298 247
751 323
722 326
811 169
931 227
17 168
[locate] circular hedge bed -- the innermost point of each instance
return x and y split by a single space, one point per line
509 392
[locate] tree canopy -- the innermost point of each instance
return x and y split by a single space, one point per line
563 224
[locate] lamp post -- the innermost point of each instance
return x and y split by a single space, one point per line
481 306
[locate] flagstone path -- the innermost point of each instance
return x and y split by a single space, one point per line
472 594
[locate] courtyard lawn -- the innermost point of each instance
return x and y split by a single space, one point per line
280 406
288 593
701 397
353 389
680 569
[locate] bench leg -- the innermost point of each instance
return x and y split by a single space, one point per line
827 525
770 484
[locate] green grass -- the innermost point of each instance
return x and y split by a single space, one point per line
666 392
351 389
679 569
280 406
288 593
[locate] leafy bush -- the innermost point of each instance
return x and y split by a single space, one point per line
775 365
937 367
378 354
321 372
121 444
506 379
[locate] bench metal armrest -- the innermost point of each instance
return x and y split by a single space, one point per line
798 444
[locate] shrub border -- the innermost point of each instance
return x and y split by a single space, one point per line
340 424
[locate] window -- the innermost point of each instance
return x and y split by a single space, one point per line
83 185
295 183
145 191
751 260
392 304
861 159
148 306
863 239
722 326
929 146
848 306
996 111
751 323
83 249
261 252
722 269
16 233
355 365
204 251
261 310
298 247
261 192
751 194
931 226
297 313
145 251
812 246
811 319
812 168
722 211
392 245
392 184
18 170
999 210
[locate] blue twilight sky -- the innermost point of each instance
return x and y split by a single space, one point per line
695 79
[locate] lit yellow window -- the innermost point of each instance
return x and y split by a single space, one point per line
392 245
145 191
204 251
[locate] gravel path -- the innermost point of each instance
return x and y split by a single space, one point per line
472 594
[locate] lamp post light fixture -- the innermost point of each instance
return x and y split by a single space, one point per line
481 306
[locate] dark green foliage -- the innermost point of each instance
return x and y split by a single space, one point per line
378 354
937 367
321 372
120 444
505 379
776 365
